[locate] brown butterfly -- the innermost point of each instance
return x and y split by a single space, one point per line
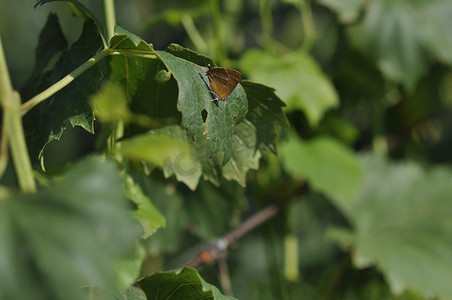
222 81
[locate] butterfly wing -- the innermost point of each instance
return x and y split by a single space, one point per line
223 81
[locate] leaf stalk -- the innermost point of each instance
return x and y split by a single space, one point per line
12 128
27 106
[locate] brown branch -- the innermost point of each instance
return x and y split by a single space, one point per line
218 248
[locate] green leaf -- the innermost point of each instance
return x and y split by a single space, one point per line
391 35
82 9
51 43
185 284
190 55
264 122
110 104
65 237
128 270
194 97
259 131
265 115
348 10
403 35
139 71
48 120
401 222
131 293
185 161
189 164
147 214
245 156
297 78
328 166
171 151
435 29
118 41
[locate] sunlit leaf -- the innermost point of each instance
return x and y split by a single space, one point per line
173 152
297 79
328 166
189 164
194 97
110 104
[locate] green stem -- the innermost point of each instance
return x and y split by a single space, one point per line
278 285
216 15
4 145
27 106
193 34
110 17
10 101
308 25
5 82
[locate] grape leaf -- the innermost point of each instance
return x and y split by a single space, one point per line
147 214
194 97
67 236
189 164
297 78
185 284
265 115
190 55
435 29
216 140
129 269
401 222
348 10
48 120
390 35
51 43
244 154
131 293
258 132
168 149
82 9
109 111
327 165
142 76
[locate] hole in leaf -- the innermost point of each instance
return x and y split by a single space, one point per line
204 115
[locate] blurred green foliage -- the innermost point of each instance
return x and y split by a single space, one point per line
364 86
